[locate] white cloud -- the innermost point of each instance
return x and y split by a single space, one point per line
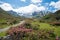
30 9
52 3
23 0
55 4
36 1
27 9
54 10
6 7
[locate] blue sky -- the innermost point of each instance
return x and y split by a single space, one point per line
22 5
19 3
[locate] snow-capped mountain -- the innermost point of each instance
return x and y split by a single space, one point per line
29 15
40 14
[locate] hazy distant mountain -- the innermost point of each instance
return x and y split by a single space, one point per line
40 14
29 15
13 13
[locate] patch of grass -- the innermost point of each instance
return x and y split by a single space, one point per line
2 34
57 31
4 26
48 27
2 20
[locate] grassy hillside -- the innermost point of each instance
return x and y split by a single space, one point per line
52 17
7 19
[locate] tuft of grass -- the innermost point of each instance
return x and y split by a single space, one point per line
4 26
2 34
57 31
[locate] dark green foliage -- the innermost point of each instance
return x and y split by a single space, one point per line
30 26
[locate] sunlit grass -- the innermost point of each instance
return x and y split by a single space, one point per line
48 27
57 31
2 34
4 26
